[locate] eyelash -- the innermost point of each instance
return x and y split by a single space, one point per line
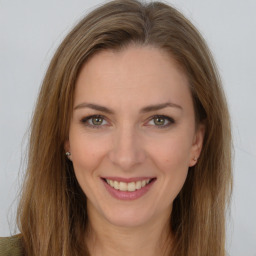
166 118
86 119
169 119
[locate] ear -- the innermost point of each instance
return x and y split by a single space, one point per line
67 149
67 145
197 144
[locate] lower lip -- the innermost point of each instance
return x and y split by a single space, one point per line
127 195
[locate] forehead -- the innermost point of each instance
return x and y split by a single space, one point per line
136 74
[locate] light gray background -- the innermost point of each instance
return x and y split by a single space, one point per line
31 30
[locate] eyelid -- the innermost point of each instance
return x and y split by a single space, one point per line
168 118
85 120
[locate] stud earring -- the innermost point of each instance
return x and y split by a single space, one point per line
195 159
68 154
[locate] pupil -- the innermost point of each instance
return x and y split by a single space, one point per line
159 121
97 120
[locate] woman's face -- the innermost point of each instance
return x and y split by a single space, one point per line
132 135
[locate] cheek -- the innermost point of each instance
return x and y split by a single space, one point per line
173 162
87 155
172 153
87 152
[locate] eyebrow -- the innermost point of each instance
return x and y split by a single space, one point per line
146 109
159 106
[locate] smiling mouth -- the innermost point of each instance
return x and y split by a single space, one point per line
128 186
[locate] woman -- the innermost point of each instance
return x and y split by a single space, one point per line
130 142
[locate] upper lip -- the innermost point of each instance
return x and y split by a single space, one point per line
127 180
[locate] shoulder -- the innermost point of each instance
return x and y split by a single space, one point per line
10 246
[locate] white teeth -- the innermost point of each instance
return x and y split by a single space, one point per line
116 184
123 186
138 185
131 186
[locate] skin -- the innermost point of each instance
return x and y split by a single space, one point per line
129 143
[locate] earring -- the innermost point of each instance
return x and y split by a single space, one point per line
195 159
68 154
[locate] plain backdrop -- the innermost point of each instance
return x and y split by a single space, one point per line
31 30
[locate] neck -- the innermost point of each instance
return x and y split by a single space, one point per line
105 239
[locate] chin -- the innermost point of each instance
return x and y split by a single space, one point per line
128 218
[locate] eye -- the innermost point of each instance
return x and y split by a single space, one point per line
95 121
161 121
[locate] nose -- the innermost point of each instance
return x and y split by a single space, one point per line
127 151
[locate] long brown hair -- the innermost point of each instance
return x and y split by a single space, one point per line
52 215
